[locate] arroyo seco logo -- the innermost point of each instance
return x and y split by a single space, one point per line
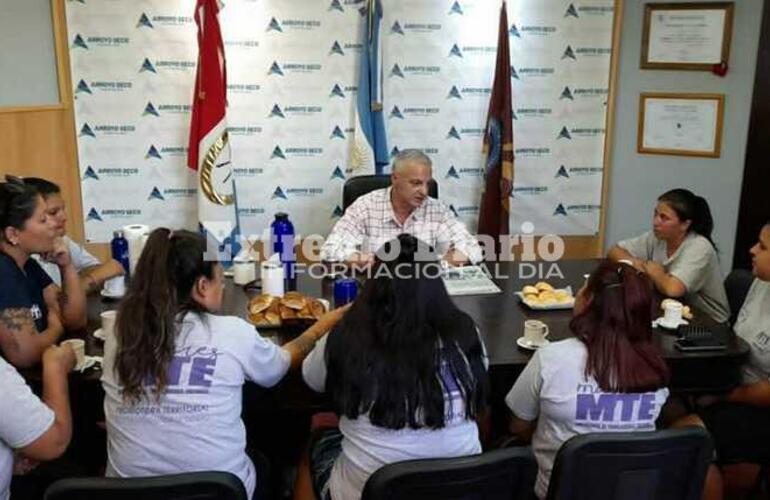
336 5
414 70
90 173
337 212
294 110
285 153
94 215
532 30
473 50
566 133
166 65
286 193
155 194
112 213
337 133
577 52
243 43
146 21
106 129
337 173
247 171
568 172
525 113
243 88
394 151
173 109
410 27
338 91
396 71
466 210
528 191
278 69
571 11
277 26
589 10
251 211
456 8
336 49
530 152
531 72
244 130
111 172
464 172
428 151
159 153
178 193
414 112
455 51
80 42
584 93
453 134
563 210
456 92
396 113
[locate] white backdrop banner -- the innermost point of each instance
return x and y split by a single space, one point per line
292 73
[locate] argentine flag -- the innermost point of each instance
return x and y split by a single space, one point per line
369 150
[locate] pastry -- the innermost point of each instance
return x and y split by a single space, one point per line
543 286
259 303
529 290
294 300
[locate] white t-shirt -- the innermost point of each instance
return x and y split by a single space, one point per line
81 259
753 326
553 390
23 419
367 447
197 424
694 263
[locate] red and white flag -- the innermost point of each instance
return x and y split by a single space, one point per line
209 147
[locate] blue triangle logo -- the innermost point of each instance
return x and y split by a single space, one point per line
94 215
79 43
452 173
560 210
571 11
274 25
276 112
396 113
144 21
83 88
566 94
455 51
514 31
453 134
147 66
336 49
396 71
336 5
275 69
338 173
514 74
337 91
153 152
456 8
453 210
562 172
337 212
454 93
564 134
394 151
90 173
396 28
155 194
337 133
85 130
150 110
278 193
569 53
277 153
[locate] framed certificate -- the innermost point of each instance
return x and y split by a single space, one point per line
691 36
680 124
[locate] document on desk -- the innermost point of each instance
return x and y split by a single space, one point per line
468 280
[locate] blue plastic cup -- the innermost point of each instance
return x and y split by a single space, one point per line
345 291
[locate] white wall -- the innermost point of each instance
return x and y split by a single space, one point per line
636 180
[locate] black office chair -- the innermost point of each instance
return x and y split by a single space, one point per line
737 286
362 184
503 474
661 465
187 486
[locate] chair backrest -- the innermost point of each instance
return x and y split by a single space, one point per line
503 474
737 286
660 465
362 184
187 486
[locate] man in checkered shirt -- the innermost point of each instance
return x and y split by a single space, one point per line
405 207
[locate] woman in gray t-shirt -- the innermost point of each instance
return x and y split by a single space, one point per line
678 254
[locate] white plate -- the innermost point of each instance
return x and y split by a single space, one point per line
662 324
107 295
99 334
549 307
526 344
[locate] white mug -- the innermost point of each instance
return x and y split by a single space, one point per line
672 313
535 331
272 278
108 322
244 271
115 287
79 347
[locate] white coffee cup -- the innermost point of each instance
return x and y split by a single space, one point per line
535 331
79 347
244 271
115 287
272 278
672 313
108 322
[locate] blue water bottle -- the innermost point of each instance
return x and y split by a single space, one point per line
119 247
282 234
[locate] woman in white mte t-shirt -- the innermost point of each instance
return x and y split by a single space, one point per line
173 372
610 378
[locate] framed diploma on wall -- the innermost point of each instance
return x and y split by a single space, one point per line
690 36
680 124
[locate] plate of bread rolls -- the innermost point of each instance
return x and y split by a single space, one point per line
544 296
269 311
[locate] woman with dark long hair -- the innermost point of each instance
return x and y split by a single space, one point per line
406 372
678 254
34 311
173 371
610 378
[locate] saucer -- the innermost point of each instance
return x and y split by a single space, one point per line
107 295
99 334
90 362
668 326
525 344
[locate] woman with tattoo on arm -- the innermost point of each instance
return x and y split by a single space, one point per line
174 370
33 310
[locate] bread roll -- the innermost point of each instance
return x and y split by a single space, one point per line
543 286
294 300
260 303
530 290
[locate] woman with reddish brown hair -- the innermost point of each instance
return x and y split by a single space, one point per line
610 378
